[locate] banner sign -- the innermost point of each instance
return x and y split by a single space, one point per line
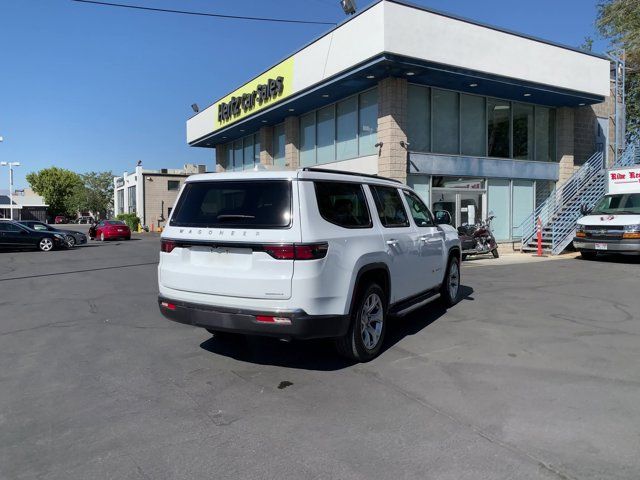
263 91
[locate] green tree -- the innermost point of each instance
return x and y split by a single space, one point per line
619 22
58 187
98 188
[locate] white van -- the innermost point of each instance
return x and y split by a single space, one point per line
613 225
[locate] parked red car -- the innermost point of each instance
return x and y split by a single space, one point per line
60 219
109 230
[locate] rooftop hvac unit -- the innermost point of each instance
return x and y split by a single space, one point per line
202 169
164 170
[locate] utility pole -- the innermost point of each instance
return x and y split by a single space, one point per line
10 165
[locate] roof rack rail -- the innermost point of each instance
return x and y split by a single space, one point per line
341 172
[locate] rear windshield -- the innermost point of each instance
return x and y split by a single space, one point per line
114 222
234 204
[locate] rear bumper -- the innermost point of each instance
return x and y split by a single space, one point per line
224 319
613 246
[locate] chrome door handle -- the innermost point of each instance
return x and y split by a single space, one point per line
424 238
392 242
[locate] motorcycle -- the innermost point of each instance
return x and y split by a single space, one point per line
478 239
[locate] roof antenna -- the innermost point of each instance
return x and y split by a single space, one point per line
349 6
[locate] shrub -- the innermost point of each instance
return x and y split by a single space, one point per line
130 219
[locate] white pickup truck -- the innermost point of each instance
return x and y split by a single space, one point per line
613 225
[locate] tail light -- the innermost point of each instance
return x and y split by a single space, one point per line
169 306
294 251
167 246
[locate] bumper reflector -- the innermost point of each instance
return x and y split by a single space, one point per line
270 319
635 235
168 306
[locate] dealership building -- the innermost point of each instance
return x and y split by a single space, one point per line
475 118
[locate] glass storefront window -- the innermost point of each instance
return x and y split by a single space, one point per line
347 129
545 134
248 153
237 155
227 162
256 148
368 119
278 145
499 121
308 139
473 133
446 123
419 118
499 193
325 132
523 204
523 126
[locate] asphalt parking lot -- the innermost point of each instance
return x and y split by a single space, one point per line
534 375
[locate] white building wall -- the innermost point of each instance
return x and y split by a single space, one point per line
429 36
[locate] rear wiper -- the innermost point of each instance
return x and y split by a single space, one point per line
229 217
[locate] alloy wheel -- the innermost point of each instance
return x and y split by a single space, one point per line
46 244
71 242
371 319
454 279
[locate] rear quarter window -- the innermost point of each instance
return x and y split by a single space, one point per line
343 204
234 204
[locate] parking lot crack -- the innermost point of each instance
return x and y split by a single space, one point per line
62 324
468 426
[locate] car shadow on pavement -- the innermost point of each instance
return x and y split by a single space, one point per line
613 258
320 355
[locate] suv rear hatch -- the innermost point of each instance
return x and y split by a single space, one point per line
232 237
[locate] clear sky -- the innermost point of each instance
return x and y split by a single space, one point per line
86 87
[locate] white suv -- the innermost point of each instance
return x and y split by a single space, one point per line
303 254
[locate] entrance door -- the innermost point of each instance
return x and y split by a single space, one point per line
464 207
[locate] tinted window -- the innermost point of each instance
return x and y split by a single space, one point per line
173 184
114 222
234 204
418 210
389 206
8 227
343 204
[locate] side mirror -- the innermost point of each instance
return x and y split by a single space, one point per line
443 217
584 210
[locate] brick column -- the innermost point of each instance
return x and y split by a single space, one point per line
392 122
221 158
292 139
266 145
565 145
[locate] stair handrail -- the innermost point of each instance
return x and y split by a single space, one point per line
563 230
561 195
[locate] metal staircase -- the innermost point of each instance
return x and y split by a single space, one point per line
560 211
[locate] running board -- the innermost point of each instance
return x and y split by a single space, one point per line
410 304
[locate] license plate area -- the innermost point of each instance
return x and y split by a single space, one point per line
221 257
601 246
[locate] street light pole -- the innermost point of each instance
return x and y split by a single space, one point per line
10 165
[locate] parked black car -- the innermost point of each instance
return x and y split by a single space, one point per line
72 237
15 235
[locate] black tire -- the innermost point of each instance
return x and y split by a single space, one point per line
588 255
495 253
352 346
450 296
